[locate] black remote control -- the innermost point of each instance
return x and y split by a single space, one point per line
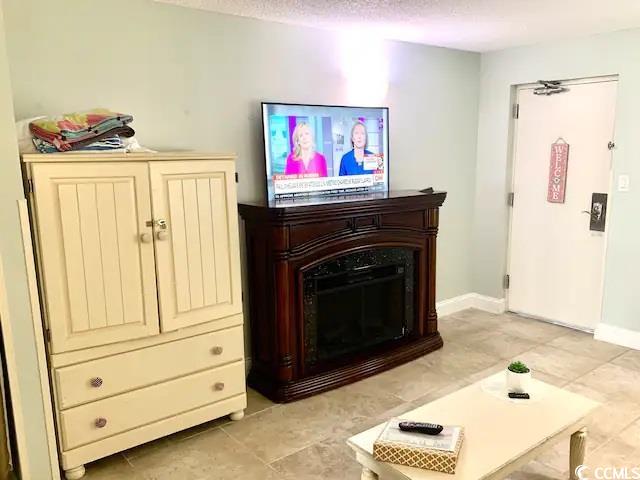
519 395
420 427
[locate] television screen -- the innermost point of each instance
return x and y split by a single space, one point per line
325 150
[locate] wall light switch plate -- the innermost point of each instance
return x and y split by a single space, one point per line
623 183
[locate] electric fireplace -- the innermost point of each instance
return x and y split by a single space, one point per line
339 289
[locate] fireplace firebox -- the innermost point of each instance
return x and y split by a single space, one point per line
356 303
339 290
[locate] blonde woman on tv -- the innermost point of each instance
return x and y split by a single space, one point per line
304 159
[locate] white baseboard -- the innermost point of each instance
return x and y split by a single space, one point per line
489 304
618 335
470 300
455 304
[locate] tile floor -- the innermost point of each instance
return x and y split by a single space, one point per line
305 440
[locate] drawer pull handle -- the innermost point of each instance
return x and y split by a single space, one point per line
217 350
100 422
219 386
96 382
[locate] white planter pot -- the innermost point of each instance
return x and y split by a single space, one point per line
518 382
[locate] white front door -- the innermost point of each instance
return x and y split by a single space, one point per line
555 261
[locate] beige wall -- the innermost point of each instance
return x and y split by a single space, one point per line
13 263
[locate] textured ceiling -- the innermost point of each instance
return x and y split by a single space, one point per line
476 25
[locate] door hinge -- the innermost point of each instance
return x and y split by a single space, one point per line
47 335
516 111
506 282
510 198
29 185
236 177
611 145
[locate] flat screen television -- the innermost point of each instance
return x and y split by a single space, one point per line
316 150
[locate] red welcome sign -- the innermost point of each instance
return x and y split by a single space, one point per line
558 171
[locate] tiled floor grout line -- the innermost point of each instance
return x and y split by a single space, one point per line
307 445
229 422
245 447
126 459
581 355
329 436
196 434
599 366
627 350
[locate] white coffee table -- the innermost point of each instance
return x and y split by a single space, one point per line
500 435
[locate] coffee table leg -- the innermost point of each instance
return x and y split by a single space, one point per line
368 474
577 448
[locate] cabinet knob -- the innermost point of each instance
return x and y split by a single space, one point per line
145 237
217 350
219 386
100 422
162 235
96 382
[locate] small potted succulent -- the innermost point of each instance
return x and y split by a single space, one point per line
518 377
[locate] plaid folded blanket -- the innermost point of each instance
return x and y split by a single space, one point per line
67 129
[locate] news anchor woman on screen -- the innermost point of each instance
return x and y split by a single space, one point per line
304 158
352 162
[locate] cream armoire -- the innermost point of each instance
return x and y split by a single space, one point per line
139 273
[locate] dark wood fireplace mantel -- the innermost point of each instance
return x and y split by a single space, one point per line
287 238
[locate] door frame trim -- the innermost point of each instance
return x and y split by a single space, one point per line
510 177
38 331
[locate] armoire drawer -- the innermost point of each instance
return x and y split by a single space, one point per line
110 416
97 379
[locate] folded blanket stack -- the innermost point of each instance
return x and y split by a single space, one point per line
97 129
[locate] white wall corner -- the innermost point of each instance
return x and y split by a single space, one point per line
470 300
617 335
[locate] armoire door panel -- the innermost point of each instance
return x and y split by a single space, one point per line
198 261
98 274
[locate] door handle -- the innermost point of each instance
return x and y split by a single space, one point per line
598 212
161 229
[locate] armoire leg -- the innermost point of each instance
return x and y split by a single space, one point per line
74 473
235 416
